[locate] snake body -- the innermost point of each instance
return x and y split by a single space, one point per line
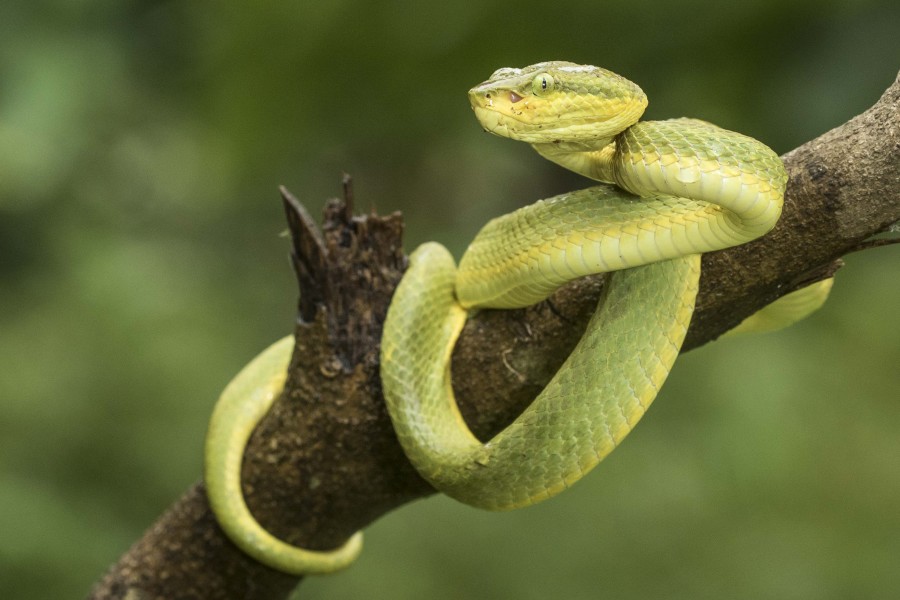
672 190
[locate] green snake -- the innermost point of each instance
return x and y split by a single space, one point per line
671 191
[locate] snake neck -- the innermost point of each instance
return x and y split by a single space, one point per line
593 160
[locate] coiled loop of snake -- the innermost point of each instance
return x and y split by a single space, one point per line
674 189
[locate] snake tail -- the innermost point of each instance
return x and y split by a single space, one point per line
245 400
787 310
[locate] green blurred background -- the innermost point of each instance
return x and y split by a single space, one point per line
142 263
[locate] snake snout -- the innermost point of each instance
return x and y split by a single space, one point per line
479 98
482 98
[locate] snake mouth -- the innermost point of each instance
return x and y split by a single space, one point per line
508 114
503 122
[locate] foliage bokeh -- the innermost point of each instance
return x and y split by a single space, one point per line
142 263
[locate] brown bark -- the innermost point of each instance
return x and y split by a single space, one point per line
325 462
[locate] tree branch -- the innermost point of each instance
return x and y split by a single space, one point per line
325 462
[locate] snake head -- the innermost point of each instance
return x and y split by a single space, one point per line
557 102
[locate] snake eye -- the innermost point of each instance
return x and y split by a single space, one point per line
542 84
